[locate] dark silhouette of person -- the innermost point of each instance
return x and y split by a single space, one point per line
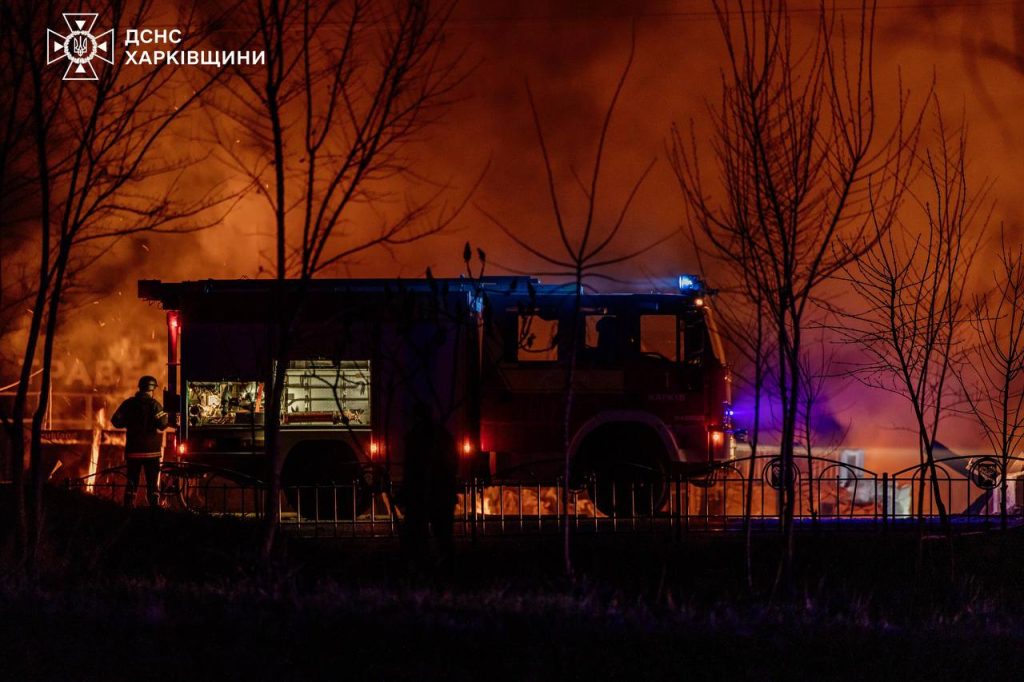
429 488
144 419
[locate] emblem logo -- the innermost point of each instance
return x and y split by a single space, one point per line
80 46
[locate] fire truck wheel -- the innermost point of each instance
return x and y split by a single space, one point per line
623 468
323 480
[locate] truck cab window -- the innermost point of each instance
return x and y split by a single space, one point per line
659 337
605 343
537 339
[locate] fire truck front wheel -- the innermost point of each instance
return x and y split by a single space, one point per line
323 480
623 467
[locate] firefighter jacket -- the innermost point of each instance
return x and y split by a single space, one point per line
144 418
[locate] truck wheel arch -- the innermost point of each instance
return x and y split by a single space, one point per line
320 461
322 479
636 417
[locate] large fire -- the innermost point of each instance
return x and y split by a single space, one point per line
523 501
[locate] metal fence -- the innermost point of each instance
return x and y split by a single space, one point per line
827 493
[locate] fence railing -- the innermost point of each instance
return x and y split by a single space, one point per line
826 493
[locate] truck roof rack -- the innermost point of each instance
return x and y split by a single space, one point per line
157 290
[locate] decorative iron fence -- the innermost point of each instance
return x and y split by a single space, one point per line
827 493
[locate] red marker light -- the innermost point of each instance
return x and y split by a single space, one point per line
716 437
467 446
182 449
374 448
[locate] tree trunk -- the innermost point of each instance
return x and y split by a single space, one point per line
748 503
748 549
936 490
789 390
38 474
570 384
808 406
272 430
24 499
1003 466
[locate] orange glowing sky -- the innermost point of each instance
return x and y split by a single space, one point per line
571 53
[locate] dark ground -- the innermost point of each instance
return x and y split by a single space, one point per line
141 596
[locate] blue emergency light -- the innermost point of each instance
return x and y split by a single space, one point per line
689 283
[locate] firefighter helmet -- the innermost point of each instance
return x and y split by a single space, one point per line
147 383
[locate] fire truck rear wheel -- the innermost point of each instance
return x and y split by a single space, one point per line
323 480
624 468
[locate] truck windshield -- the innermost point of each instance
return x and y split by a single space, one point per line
660 337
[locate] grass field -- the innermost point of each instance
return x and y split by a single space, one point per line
138 596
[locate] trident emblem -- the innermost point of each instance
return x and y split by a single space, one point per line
80 46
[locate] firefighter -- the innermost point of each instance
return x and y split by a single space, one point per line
429 488
144 419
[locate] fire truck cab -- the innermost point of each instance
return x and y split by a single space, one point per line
494 358
650 389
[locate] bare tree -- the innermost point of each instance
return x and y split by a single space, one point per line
817 366
744 324
328 122
801 161
992 380
16 290
581 255
915 310
95 172
742 317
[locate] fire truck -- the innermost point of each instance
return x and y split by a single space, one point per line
492 357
